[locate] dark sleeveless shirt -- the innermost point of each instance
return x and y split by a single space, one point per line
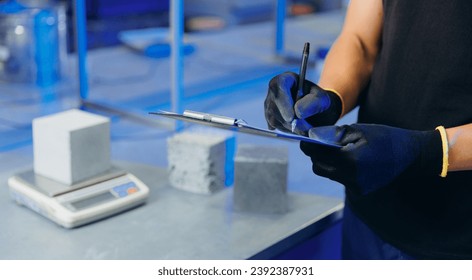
422 79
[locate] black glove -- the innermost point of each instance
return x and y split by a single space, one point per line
318 107
373 156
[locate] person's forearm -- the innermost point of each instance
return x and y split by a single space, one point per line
349 64
460 147
347 69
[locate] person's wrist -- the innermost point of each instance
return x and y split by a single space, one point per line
433 156
337 98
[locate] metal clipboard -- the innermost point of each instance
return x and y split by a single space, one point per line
237 125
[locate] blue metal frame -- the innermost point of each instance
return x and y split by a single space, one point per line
177 66
281 11
80 27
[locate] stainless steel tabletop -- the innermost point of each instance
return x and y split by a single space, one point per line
173 224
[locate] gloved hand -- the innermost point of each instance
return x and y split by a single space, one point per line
373 156
316 108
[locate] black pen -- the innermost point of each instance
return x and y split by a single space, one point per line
302 72
301 77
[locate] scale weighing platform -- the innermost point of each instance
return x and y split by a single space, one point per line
70 206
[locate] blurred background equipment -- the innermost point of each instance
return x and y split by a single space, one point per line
32 42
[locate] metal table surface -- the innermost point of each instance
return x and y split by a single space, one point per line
173 224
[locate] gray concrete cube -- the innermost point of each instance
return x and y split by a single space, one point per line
260 180
71 146
197 161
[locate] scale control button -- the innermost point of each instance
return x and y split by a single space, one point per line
125 189
132 190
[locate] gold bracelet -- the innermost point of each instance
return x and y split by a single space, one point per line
445 148
340 97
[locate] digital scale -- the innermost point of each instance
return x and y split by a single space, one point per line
70 206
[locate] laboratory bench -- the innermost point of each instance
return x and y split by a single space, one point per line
172 224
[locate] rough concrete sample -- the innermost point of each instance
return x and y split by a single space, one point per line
260 181
197 161
71 146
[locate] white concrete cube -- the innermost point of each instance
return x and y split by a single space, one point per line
71 146
197 161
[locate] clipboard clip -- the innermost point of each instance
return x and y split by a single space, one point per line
213 118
